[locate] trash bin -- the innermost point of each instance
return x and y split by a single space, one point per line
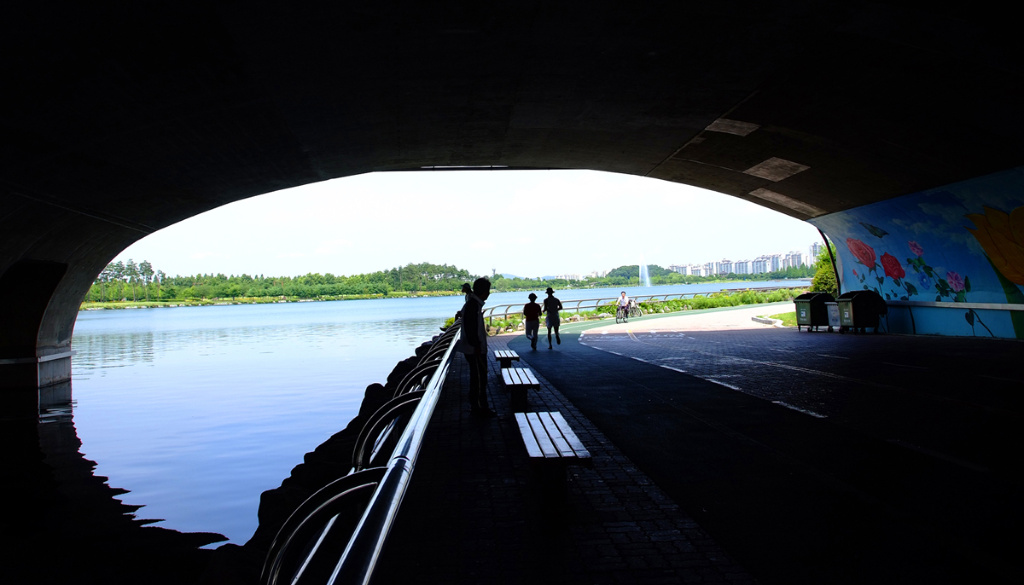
811 310
832 308
860 309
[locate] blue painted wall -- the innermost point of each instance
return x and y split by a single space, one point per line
959 245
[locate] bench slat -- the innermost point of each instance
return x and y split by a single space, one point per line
519 377
505 357
555 434
543 440
515 376
532 447
570 436
530 377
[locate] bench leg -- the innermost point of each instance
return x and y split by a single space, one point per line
517 399
552 483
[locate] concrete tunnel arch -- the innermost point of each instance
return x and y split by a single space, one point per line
861 119
45 324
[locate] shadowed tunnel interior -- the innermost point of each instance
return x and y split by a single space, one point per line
894 130
122 119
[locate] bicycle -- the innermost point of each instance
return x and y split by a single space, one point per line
621 314
635 310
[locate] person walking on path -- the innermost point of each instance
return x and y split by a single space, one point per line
531 315
552 306
624 306
473 343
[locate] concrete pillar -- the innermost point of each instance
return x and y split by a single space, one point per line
34 371
32 355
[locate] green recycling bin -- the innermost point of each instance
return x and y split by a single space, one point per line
860 309
812 311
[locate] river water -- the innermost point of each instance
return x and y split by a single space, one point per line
198 410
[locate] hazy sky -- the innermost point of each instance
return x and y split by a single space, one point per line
527 223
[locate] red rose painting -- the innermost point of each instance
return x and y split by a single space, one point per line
892 267
863 252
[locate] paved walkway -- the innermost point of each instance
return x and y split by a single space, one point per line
728 451
476 514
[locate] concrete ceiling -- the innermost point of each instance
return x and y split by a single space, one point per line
142 114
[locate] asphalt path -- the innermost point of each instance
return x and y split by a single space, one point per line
812 457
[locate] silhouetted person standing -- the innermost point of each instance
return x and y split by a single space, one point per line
473 343
531 316
551 307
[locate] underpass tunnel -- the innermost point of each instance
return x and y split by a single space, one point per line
894 131
948 261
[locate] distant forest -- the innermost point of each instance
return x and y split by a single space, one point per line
128 281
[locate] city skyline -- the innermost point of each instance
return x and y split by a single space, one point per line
807 259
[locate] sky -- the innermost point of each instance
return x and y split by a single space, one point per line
525 223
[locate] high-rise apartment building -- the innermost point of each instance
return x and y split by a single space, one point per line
763 264
815 249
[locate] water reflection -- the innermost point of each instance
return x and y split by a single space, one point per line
199 410
97 352
63 523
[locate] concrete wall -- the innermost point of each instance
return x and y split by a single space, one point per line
949 261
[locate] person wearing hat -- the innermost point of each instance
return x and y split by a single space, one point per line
551 307
473 343
531 315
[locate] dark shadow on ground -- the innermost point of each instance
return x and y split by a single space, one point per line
794 498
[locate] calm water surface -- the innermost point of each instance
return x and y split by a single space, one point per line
198 410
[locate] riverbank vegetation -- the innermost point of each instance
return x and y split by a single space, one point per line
131 285
708 301
788 319
824 279
630 276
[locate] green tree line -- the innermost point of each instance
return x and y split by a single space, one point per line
128 281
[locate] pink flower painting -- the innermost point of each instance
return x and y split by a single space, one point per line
956 282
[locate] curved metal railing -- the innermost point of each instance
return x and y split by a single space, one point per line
305 549
574 306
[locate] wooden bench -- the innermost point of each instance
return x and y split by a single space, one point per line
518 381
551 445
505 357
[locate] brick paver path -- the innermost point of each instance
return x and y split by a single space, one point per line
476 513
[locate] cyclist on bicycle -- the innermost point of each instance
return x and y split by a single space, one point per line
624 305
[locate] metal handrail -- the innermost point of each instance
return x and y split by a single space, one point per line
492 312
384 416
357 562
415 377
314 516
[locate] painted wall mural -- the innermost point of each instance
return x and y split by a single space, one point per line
959 244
